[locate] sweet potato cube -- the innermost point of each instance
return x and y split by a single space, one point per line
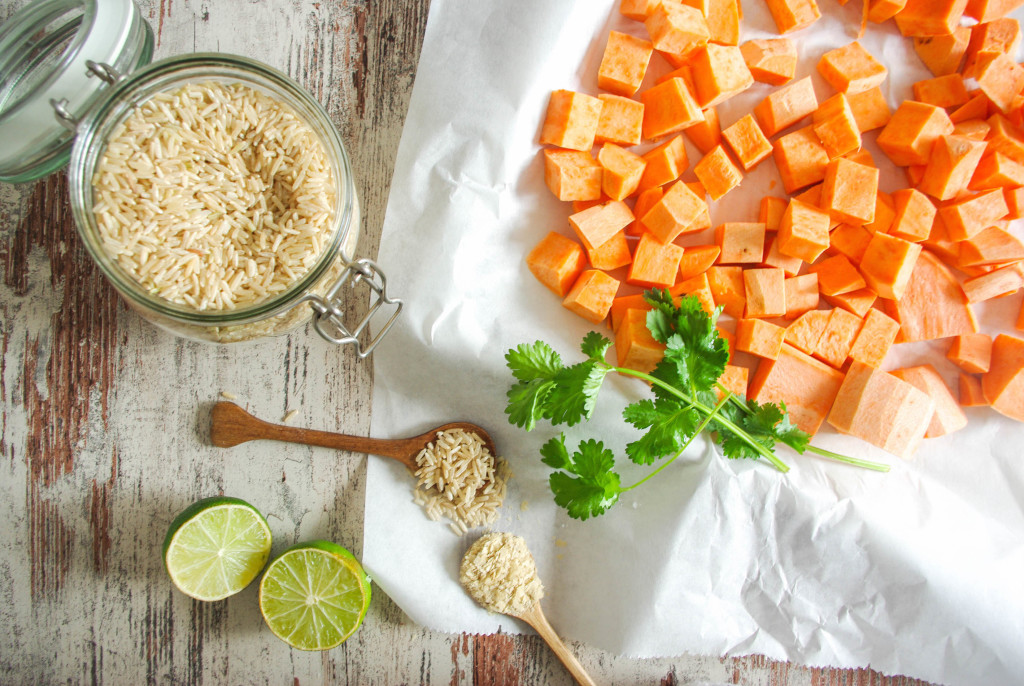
942 91
858 301
975 129
572 174
740 242
836 126
770 212
724 21
621 120
1014 198
700 288
611 254
930 17
635 347
669 107
996 170
999 78
703 220
836 275
837 338
997 36
883 10
571 120
849 190
1006 138
885 212
771 60
801 294
971 394
655 264
786 106
1003 385
591 296
943 53
556 262
888 263
663 164
933 304
793 15
677 29
884 411
953 162
914 215
727 288
717 173
803 232
637 10
948 417
850 241
972 352
719 73
851 69
805 331
623 170
697 259
734 380
870 110
876 336
800 158
624 63
987 10
910 134
976 107
747 142
996 283
644 202
676 212
807 386
707 134
973 214
758 337
990 247
597 224
773 258
765 291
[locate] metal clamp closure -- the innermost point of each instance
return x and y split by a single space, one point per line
329 320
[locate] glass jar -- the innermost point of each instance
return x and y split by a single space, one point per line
74 70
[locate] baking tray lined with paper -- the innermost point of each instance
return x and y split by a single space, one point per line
913 571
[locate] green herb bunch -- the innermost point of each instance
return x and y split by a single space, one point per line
688 400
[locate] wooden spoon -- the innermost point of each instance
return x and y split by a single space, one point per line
231 425
535 618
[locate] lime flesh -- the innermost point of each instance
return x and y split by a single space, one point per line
216 547
314 596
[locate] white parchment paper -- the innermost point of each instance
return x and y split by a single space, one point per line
919 571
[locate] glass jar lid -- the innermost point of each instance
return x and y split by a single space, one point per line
57 60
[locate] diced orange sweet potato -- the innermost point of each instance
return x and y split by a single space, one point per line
930 17
996 170
975 129
884 411
857 301
885 212
734 379
805 331
1006 138
849 190
635 347
876 336
644 202
793 15
572 174
556 262
580 205
669 107
700 288
611 254
747 142
664 164
765 292
591 296
740 242
637 10
910 134
677 29
990 247
971 215
883 10
675 213
1014 198
971 394
624 63
800 158
851 69
719 73
727 288
571 120
948 417
850 241
786 106
971 352
770 212
914 215
758 337
717 173
655 264
597 224
888 264
943 53
942 91
706 134
976 107
837 275
951 165
622 171
1003 385
801 294
772 60
836 340
999 78
996 283
803 231
987 10
933 304
697 259
703 220
621 120
787 263
836 126
999 35
870 110
807 387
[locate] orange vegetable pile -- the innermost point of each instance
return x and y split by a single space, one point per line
826 281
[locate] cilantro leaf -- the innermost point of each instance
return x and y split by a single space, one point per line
670 424
533 361
595 346
574 394
588 486
555 454
526 402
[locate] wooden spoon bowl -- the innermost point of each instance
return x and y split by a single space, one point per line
231 425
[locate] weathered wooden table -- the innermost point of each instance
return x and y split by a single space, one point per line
103 425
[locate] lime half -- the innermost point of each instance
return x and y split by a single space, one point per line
315 595
216 547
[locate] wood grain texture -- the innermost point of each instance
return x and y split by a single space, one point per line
103 426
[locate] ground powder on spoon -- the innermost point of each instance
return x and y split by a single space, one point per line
498 571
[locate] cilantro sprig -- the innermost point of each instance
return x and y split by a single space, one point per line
687 401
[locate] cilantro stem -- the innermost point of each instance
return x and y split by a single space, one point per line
743 435
700 427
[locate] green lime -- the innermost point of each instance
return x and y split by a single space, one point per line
314 595
216 547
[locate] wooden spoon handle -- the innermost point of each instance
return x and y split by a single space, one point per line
535 618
